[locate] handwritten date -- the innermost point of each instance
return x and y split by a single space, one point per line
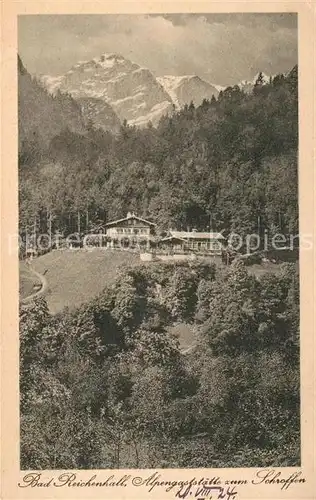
208 492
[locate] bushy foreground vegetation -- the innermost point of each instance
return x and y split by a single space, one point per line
106 386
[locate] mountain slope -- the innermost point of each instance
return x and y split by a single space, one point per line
111 89
41 116
132 92
184 89
99 113
95 110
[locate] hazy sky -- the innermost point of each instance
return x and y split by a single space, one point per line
221 48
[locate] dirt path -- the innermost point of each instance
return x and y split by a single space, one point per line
188 349
40 292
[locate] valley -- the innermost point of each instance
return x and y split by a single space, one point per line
189 358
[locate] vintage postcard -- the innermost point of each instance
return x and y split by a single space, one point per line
158 250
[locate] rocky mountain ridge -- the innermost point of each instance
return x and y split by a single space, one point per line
187 88
111 89
133 92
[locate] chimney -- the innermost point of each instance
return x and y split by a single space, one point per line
128 215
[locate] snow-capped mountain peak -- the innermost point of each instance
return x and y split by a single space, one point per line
51 83
132 91
109 60
187 88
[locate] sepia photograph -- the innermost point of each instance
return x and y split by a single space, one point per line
158 241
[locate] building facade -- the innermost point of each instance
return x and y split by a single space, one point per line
135 232
130 232
194 241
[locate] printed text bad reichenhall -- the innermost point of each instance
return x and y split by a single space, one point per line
155 480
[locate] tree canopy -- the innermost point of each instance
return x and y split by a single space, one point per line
233 159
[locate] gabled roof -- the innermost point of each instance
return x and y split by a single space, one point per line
170 238
130 216
185 235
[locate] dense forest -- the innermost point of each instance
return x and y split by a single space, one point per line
106 386
230 163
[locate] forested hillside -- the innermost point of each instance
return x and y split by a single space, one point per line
41 117
106 386
232 160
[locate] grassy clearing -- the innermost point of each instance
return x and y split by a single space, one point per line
77 276
28 281
184 333
263 268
